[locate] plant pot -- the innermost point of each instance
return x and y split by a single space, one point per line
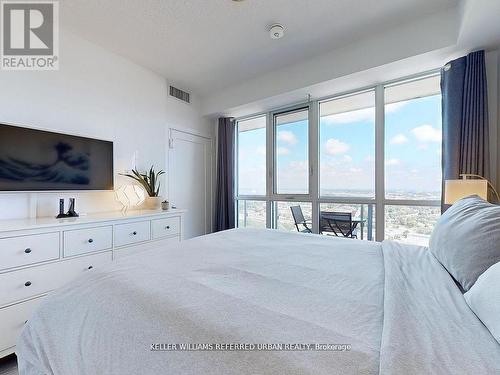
153 203
165 205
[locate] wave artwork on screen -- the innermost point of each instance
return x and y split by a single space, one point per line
36 160
69 167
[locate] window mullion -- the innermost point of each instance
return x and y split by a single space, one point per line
314 163
269 168
379 162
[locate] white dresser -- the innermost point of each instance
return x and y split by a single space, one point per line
43 254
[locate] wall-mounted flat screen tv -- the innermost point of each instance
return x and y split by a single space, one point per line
36 160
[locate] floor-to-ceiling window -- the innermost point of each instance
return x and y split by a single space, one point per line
251 172
412 159
374 153
347 160
291 135
347 146
290 162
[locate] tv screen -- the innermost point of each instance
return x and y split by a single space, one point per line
36 160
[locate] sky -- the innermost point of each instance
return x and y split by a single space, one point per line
347 153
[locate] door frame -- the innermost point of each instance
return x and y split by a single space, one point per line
207 141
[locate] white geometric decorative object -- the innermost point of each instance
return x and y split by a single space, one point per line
130 196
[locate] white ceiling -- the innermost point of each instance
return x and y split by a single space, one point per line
207 45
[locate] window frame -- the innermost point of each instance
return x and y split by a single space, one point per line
274 155
249 199
379 202
382 200
343 199
236 153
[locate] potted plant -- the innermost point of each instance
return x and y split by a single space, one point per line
151 183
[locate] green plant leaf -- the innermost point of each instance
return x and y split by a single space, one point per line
130 176
149 180
152 180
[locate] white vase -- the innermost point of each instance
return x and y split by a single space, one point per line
153 203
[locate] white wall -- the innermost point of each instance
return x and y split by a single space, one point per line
96 94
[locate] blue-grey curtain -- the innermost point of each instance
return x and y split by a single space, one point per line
465 117
225 210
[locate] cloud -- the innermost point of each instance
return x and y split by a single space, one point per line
392 162
426 133
287 137
261 151
398 139
336 147
283 151
347 158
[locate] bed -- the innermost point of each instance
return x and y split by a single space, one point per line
381 308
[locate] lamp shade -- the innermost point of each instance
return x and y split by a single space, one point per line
130 195
458 189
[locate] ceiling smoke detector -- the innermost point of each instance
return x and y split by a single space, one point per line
276 31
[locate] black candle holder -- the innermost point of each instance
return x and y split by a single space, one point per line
71 212
61 215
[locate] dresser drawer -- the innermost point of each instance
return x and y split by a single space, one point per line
81 241
29 282
169 226
132 250
12 320
130 233
23 250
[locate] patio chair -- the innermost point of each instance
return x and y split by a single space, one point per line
338 223
298 218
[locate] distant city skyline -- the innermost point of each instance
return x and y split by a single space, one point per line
410 224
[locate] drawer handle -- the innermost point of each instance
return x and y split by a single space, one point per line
27 283
167 227
134 233
27 251
90 267
91 240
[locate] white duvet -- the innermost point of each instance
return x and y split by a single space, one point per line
394 306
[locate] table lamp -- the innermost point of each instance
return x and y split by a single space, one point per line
130 196
458 189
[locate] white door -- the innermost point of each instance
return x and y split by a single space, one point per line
190 180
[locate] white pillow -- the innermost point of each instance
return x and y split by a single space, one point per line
484 299
466 239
